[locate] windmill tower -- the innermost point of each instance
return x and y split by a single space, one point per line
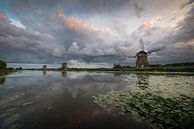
142 59
142 55
64 66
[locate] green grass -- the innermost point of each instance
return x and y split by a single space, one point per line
4 72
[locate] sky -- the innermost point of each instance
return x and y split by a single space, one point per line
80 32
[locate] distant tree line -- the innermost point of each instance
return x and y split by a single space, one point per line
189 64
118 67
4 70
3 66
181 67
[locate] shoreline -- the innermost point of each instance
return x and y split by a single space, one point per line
5 72
118 73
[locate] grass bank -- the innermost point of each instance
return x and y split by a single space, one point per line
4 72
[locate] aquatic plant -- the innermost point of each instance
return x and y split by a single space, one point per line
159 112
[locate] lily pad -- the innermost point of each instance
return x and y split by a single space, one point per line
163 113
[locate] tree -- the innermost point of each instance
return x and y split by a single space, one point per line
3 64
117 66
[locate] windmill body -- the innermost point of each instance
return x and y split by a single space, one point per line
142 59
142 56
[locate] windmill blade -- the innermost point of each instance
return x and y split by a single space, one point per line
111 55
131 56
141 44
156 49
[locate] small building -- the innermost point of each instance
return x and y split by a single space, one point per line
64 66
45 67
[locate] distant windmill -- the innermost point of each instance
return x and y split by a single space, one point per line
142 56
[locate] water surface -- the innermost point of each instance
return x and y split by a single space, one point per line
55 100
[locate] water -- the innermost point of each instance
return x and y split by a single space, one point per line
55 100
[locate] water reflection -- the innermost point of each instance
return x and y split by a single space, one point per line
44 72
143 81
64 75
118 74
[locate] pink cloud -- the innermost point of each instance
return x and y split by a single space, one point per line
77 24
3 17
151 23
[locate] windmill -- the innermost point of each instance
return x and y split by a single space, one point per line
142 55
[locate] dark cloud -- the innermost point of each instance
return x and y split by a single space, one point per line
19 6
138 9
185 29
17 38
180 43
187 3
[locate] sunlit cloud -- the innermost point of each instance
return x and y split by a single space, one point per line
17 24
78 24
3 17
152 22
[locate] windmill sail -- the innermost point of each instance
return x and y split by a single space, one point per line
108 55
131 56
156 49
141 44
112 56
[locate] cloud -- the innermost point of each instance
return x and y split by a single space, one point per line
17 24
74 48
57 30
76 24
3 17
149 26
187 3
138 9
179 42
185 30
14 35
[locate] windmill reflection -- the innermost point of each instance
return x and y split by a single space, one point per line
64 75
142 81
44 69
116 74
44 72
